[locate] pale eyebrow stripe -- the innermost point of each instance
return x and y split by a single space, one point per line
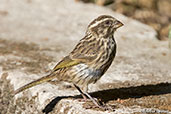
96 23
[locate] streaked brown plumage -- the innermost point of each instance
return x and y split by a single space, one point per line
89 60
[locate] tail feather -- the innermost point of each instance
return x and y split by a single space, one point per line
34 83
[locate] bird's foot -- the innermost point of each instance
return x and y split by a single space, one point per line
99 106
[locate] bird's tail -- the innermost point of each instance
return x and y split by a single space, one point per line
36 82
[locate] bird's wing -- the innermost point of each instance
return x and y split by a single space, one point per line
69 61
66 62
84 58
85 52
77 56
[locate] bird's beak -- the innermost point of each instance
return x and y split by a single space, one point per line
118 24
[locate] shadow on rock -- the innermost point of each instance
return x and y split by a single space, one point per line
49 107
122 93
133 92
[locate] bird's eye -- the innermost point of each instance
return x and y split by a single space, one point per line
107 22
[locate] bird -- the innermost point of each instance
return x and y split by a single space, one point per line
89 60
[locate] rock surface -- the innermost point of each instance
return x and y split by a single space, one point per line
36 34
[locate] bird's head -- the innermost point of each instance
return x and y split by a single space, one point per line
104 26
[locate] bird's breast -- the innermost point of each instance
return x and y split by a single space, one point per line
82 73
106 55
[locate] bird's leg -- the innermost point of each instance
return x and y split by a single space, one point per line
83 95
86 95
93 100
